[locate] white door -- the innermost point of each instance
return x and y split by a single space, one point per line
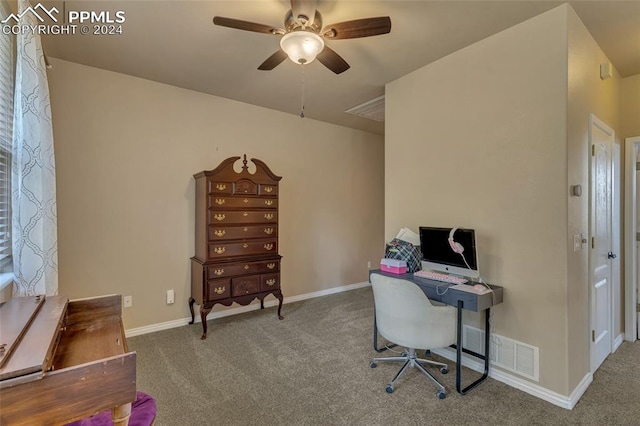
636 267
631 241
600 255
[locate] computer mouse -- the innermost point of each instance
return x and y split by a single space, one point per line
479 288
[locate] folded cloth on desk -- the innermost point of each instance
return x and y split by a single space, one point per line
409 236
402 250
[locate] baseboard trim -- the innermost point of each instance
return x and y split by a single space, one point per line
521 384
617 342
241 309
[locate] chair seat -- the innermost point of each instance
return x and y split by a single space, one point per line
143 413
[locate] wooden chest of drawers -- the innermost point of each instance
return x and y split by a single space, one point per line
236 257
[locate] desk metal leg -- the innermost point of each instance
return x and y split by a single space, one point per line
459 350
375 338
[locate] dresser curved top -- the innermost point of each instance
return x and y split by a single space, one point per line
225 171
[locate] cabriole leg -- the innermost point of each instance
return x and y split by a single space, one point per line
203 315
191 302
279 296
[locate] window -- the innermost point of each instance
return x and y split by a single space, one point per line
7 83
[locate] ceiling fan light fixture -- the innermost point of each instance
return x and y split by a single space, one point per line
302 47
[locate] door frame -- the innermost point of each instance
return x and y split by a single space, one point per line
630 230
596 122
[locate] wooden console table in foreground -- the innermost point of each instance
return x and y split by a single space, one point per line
62 361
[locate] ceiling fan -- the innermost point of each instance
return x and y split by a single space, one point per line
303 36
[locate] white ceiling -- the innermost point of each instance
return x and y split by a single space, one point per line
175 42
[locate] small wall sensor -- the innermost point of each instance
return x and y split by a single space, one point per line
606 70
576 190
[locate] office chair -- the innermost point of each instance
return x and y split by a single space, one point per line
405 316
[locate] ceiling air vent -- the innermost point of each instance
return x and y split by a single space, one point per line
373 109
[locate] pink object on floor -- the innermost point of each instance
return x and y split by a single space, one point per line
143 413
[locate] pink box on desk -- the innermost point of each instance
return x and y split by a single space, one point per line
393 266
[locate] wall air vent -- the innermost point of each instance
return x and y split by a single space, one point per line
373 109
506 353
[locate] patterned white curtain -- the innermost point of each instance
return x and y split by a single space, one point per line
34 218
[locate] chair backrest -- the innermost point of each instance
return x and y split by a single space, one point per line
404 315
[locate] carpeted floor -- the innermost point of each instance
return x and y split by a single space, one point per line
313 369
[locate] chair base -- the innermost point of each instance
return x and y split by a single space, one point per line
410 359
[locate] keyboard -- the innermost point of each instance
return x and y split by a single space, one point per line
437 276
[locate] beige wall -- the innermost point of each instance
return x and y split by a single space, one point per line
631 106
126 150
478 139
587 94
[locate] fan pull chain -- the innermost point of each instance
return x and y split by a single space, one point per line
302 93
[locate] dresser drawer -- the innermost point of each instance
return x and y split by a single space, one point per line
267 189
244 248
220 187
233 269
245 187
235 202
218 289
245 285
224 233
222 217
270 281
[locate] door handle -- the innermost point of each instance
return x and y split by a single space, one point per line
611 255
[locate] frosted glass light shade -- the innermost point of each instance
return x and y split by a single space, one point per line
302 47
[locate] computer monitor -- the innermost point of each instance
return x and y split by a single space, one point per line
438 255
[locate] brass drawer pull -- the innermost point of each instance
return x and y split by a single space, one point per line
268 231
268 216
219 250
271 265
218 272
245 245
221 187
219 232
219 217
219 290
268 246
246 267
268 189
245 229
268 202
272 281
220 201
245 214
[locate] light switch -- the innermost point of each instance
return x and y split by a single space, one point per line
577 242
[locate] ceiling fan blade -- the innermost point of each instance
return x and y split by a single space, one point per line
245 25
332 60
359 28
273 61
304 8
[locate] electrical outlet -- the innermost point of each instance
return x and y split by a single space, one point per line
128 301
170 297
369 264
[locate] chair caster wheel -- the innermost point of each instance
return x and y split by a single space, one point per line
427 353
444 370
373 364
441 394
389 389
